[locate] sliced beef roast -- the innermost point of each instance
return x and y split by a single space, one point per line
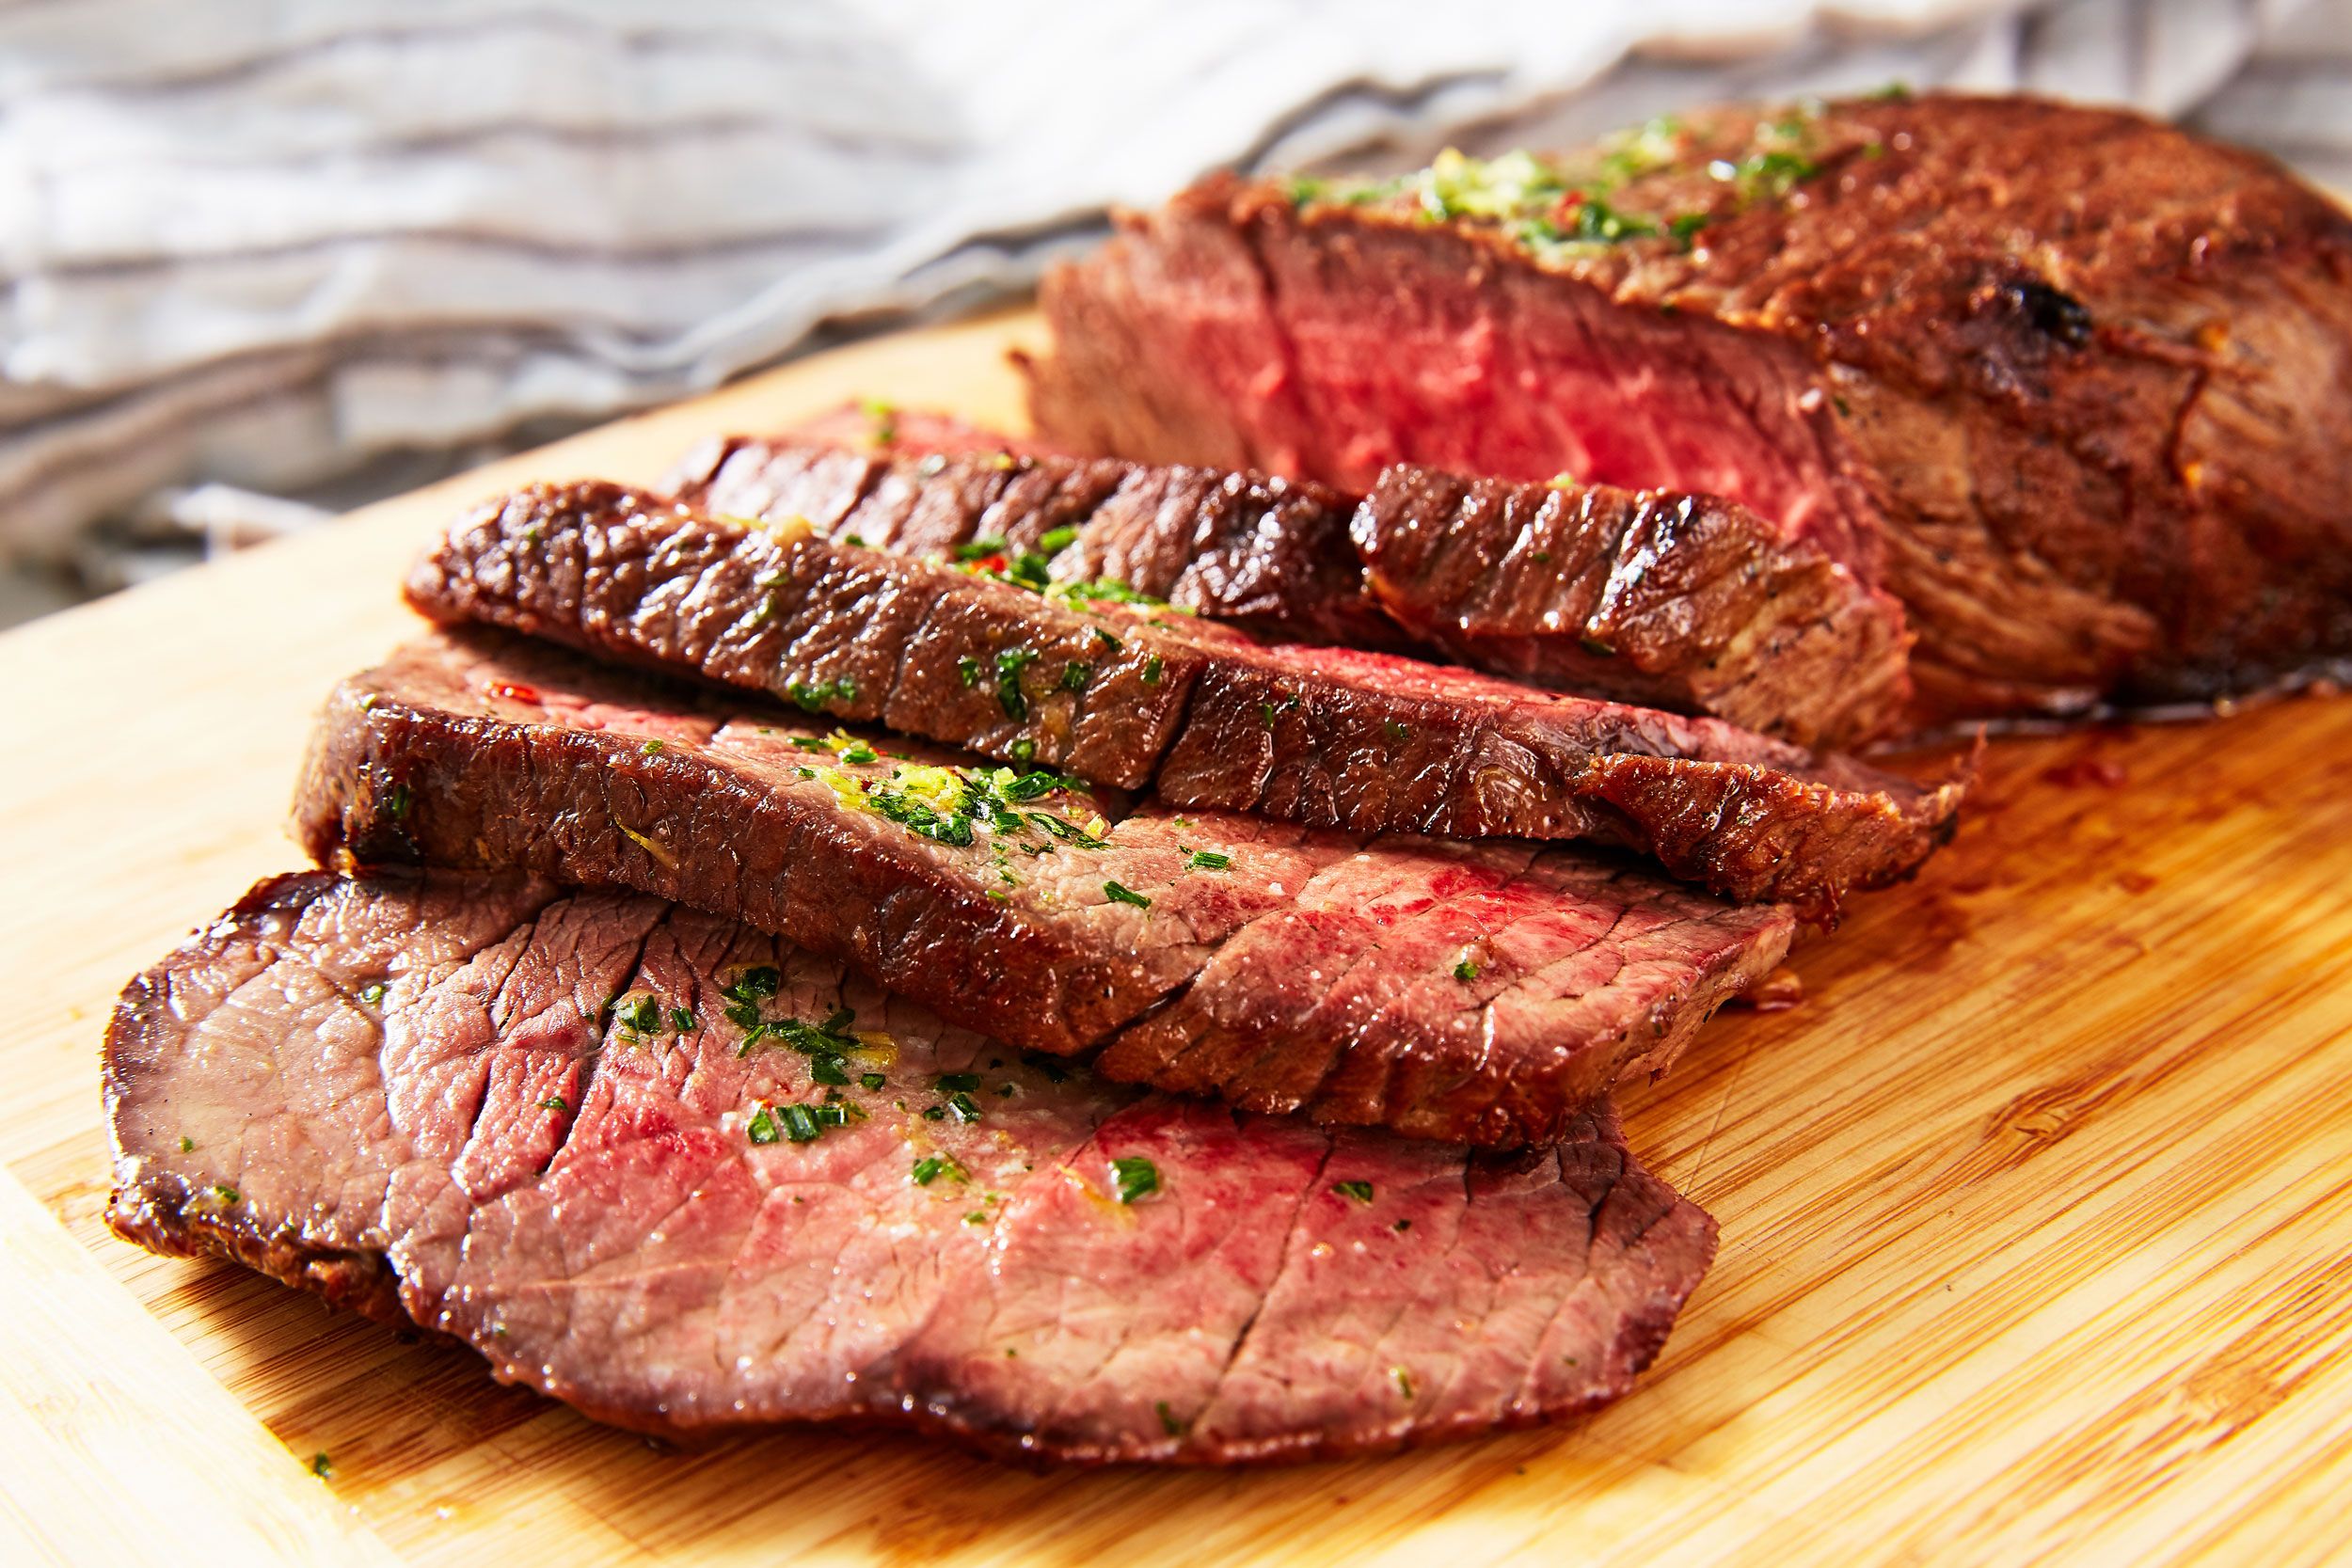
1478 992
1682 602
688 1178
1126 695
2076 385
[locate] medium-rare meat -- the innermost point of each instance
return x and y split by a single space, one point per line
1126 694
690 1178
2076 385
1477 993
1688 603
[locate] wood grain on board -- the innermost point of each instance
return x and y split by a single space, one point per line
2037 1212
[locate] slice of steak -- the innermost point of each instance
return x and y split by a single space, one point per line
1270 556
2076 385
528 1118
1688 603
1685 602
1475 992
1126 695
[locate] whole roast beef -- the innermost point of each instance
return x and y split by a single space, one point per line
688 1178
2074 386
1482 992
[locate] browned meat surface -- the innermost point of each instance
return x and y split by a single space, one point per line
1478 992
530 1119
1128 695
2074 386
1686 603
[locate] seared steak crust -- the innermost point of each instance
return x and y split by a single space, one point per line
413 1096
2076 385
1688 603
1270 556
1475 992
1126 696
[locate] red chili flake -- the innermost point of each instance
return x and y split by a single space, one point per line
516 691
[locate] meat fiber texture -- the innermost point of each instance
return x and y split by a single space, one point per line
520 1116
1482 992
1688 603
1129 695
2074 386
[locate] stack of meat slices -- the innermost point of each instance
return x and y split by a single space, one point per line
1112 960
845 952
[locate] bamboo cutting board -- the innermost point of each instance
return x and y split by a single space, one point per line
2037 1212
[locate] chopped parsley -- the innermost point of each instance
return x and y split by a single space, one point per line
933 1166
640 1015
1152 668
187 1145
653 748
1169 1423
763 1128
555 1102
372 992
1009 663
1137 1177
968 670
1119 893
1209 860
1074 676
399 801
872 1080
682 1021
321 1467
966 1109
1055 541
1359 1191
1467 969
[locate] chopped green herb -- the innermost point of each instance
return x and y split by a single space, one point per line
224 1192
682 1021
1024 749
1359 1191
826 1067
1055 541
801 1124
872 1080
1009 663
1136 1177
555 1102
762 1127
1106 639
1119 894
966 1109
1169 1423
187 1145
1151 670
1397 730
1896 91
372 992
885 420
979 549
640 1015
933 1166
968 670
1466 970
950 1081
653 748
977 1216
1404 1382
399 801
321 1467
1209 860
1074 676
812 696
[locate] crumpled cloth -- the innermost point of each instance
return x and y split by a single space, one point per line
270 246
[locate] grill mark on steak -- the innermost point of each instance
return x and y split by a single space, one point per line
1688 599
480 750
2069 382
1326 736
661 1271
